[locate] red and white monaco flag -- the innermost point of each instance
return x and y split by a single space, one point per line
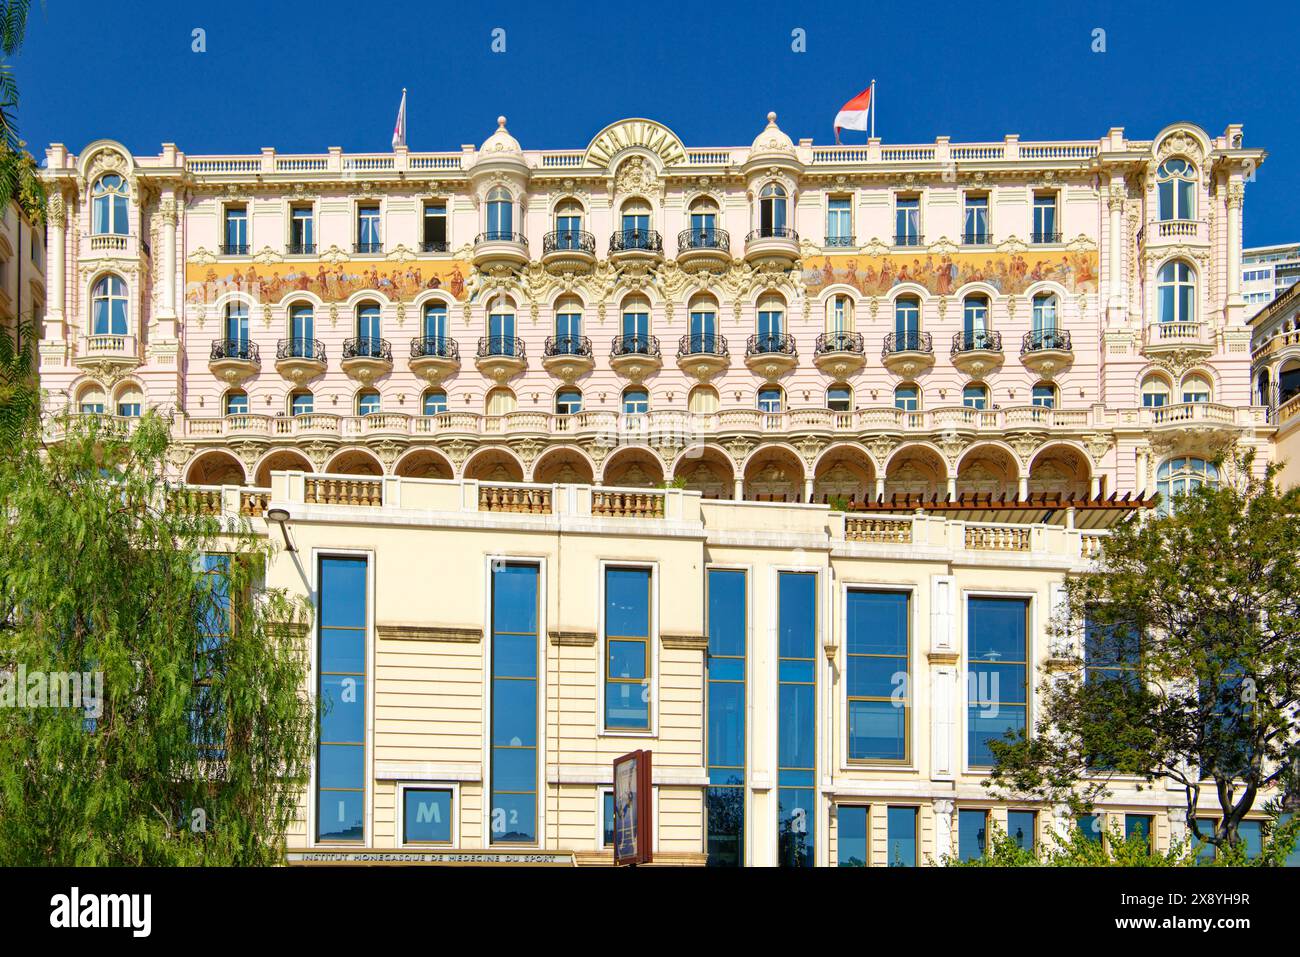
854 115
399 128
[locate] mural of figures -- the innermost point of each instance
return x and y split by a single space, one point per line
270 283
1009 273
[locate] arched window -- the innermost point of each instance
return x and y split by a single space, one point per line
771 210
1179 476
568 224
703 400
501 329
369 333
975 396
1261 389
109 307
635 337
92 401
302 330
636 224
1044 395
907 397
235 402
771 398
704 223
975 323
130 402
434 327
907 323
301 403
703 332
771 324
237 329
108 206
434 402
1288 381
1177 292
568 326
500 214
1155 392
568 402
1175 182
1196 388
500 401
839 398
367 402
636 401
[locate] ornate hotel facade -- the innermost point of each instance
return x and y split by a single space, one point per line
767 459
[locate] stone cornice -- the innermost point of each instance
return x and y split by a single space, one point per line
411 631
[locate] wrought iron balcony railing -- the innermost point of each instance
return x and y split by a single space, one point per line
839 342
500 346
569 240
702 344
500 236
645 240
907 342
567 346
635 345
772 232
235 349
977 340
367 347
768 342
299 348
704 238
438 347
1040 339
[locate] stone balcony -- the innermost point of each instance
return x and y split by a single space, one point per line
1164 234
1162 337
107 353
98 247
615 426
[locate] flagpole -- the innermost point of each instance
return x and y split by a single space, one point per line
873 108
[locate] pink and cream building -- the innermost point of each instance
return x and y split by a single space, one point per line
551 437
780 321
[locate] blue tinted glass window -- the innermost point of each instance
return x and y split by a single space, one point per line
1138 825
997 676
797 717
607 819
1021 828
1090 825
627 648
876 645
514 703
1252 835
341 693
1204 851
1292 858
901 824
728 620
851 836
426 816
972 834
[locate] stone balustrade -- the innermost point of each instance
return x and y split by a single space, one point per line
881 530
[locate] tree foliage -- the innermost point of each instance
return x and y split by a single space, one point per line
1211 592
196 747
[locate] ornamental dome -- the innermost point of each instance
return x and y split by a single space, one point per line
501 142
771 141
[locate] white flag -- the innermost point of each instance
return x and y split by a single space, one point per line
399 128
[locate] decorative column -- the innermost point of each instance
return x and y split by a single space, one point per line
1116 195
943 658
168 213
1234 307
57 217
943 812
739 493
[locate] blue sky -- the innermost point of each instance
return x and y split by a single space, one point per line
305 76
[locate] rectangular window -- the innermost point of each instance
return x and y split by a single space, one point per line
901 828
997 673
1110 652
435 227
515 647
797 717
1293 858
839 221
426 815
907 221
627 649
607 819
1045 228
972 834
302 233
1206 851
851 835
368 239
728 628
1252 836
877 645
1091 825
1022 827
236 243
207 724
1138 825
975 222
341 689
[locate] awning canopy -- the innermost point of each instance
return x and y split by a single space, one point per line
1044 509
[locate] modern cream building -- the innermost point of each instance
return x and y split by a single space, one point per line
767 459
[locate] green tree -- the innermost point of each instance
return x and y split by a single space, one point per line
194 744
18 179
1208 596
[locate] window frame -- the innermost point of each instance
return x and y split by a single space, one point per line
908 761
399 830
652 650
1030 600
